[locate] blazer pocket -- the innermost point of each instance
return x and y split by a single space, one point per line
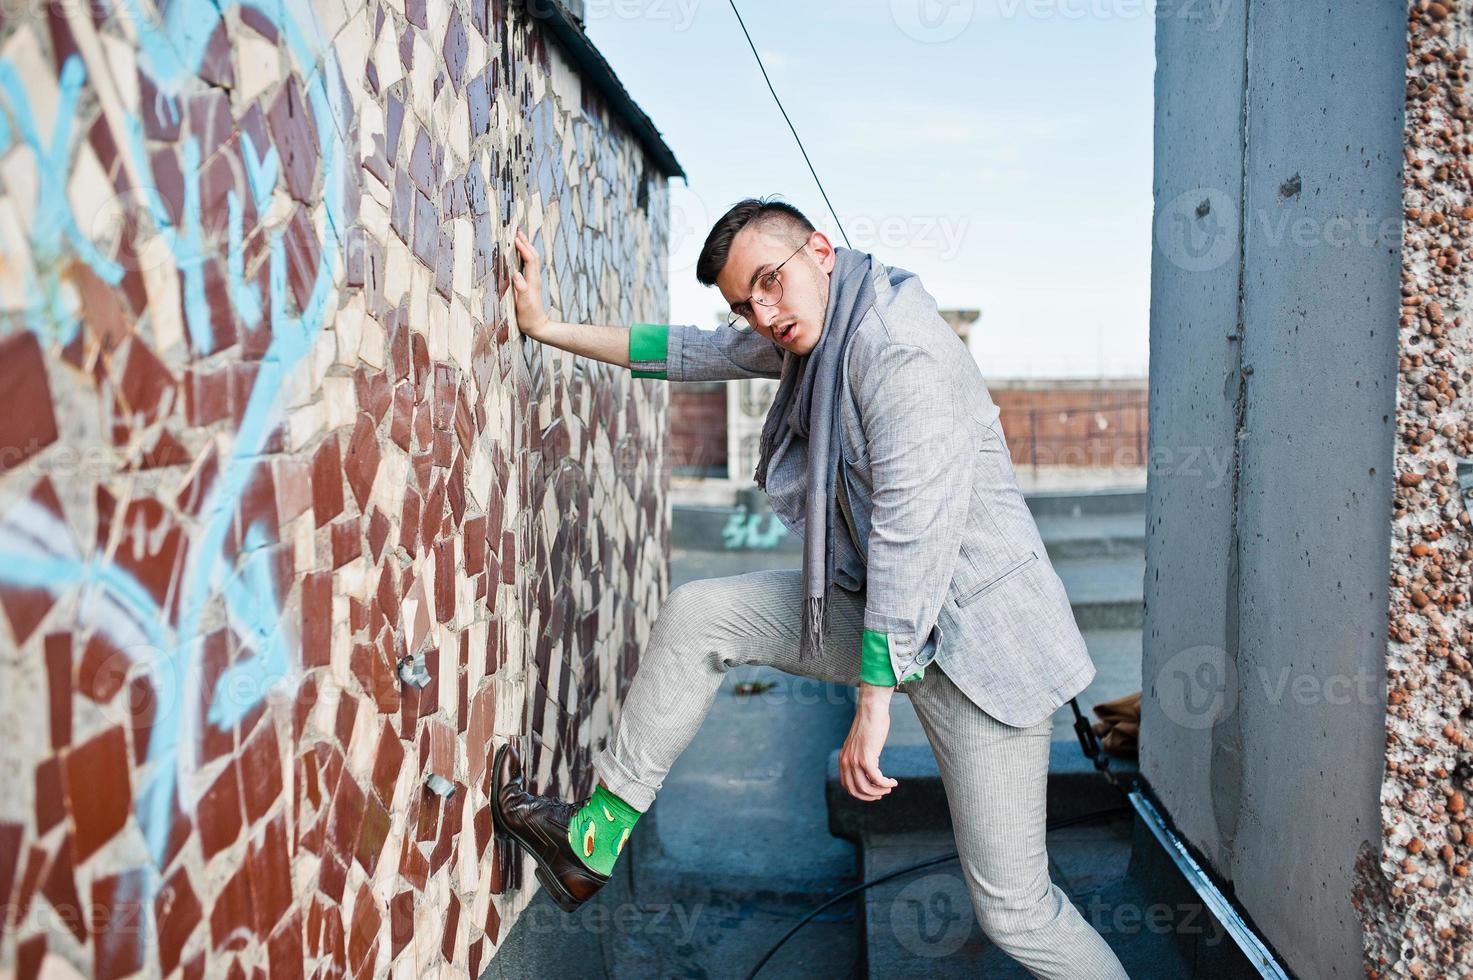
854 455
969 589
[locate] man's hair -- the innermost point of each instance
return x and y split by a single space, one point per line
777 217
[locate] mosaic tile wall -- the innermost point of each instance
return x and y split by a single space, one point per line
266 432
1416 894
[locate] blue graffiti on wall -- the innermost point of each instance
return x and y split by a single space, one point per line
171 50
743 531
46 309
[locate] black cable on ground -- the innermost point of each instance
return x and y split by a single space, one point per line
1052 825
1088 742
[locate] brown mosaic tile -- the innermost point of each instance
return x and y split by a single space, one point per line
59 687
363 940
480 728
260 772
36 859
374 393
232 915
10 841
293 481
259 22
335 939
316 619
218 813
50 796
269 864
379 528
413 866
451 812
492 927
215 660
348 808
28 957
452 925
150 546
363 460
425 241
446 572
59 886
168 182
97 789
473 958
117 923
384 682
374 831
284 950
176 911
215 64
294 135
387 762
347 542
314 929
102 306
401 922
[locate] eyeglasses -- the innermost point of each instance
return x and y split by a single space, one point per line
769 292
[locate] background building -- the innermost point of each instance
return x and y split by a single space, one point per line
1060 431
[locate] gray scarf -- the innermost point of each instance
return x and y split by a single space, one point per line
800 439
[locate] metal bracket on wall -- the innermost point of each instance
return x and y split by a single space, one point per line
1254 948
414 672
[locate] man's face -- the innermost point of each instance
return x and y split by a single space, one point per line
757 250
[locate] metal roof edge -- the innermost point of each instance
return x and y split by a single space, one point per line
566 28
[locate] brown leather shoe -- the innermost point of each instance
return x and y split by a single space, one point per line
540 825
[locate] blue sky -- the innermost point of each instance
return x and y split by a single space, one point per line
1000 149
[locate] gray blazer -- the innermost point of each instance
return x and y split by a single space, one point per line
953 568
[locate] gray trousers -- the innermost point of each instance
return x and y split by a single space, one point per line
995 775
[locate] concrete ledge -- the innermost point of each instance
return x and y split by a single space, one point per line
748 524
1084 503
1075 787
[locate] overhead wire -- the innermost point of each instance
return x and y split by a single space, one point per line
801 148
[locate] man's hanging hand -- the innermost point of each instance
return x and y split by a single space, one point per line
859 759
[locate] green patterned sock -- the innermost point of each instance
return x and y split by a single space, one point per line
599 830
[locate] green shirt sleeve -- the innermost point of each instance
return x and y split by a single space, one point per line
874 661
648 346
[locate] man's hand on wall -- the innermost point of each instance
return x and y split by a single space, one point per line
527 289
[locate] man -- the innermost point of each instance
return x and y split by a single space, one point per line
881 450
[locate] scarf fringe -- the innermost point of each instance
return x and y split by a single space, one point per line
815 625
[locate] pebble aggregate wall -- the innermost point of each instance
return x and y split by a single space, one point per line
1417 894
268 431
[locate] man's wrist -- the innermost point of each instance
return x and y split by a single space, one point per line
874 697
